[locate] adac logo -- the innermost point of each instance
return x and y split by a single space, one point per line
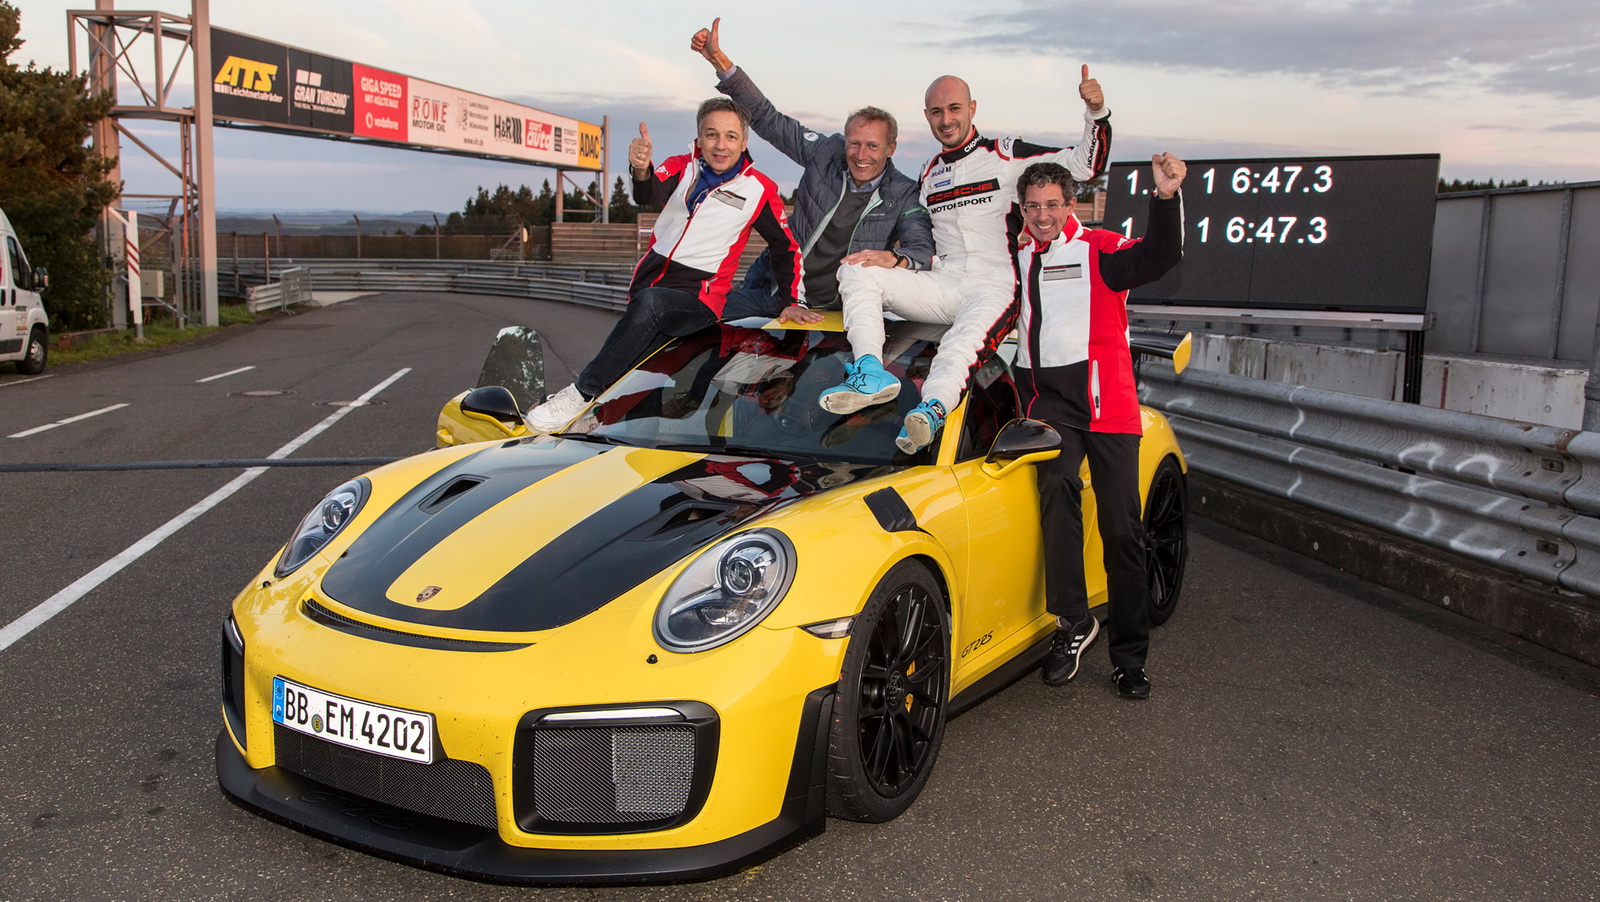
247 74
428 593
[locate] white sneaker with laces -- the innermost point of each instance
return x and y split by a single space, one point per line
561 408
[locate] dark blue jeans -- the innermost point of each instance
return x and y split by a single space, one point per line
655 316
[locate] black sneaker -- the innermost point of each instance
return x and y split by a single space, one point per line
1066 648
1131 682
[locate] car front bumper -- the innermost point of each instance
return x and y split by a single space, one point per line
480 853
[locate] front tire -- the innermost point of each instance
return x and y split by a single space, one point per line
32 362
894 691
1166 539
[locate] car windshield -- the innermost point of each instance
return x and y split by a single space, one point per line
736 389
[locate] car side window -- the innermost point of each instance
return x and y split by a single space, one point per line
991 404
19 266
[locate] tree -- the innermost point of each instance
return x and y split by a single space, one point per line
1455 185
53 187
622 210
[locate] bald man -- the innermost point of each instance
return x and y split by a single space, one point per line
969 190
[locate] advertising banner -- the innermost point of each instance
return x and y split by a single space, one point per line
264 83
380 104
319 92
451 119
247 81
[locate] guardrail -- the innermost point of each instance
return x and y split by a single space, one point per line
293 287
1518 496
593 286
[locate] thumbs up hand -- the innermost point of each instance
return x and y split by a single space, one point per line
1089 90
639 152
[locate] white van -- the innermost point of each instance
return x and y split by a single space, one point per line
24 327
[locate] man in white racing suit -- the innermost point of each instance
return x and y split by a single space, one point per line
968 190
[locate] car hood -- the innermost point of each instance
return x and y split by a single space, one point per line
534 534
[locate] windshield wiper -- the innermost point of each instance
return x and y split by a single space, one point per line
594 437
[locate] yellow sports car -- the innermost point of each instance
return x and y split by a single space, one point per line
663 643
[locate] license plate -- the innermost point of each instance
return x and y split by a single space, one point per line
379 729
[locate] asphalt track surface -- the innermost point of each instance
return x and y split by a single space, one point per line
1310 736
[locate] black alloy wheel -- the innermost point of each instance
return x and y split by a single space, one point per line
1166 539
894 691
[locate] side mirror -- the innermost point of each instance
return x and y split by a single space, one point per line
41 279
1021 442
493 401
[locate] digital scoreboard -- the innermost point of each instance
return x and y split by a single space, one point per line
1308 233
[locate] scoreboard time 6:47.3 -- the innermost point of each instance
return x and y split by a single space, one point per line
1329 233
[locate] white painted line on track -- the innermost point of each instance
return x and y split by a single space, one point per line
29 379
85 584
236 372
82 416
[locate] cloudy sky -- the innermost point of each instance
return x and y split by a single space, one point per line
1501 89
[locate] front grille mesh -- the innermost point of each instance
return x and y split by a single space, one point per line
457 791
613 775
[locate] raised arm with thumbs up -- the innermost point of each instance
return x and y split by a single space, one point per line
639 154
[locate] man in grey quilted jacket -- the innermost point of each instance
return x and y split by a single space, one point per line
852 205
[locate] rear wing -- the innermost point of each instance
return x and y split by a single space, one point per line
1170 345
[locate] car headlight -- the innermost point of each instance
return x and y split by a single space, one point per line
331 515
726 591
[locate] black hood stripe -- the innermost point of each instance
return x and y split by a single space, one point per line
601 558
411 527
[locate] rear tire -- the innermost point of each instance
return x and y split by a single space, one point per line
889 714
1166 539
33 360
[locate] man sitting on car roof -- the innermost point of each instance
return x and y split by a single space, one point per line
712 198
852 205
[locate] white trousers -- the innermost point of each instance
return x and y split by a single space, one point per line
971 303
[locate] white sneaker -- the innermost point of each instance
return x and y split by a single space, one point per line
561 408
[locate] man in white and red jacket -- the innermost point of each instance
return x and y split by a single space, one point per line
712 198
1075 372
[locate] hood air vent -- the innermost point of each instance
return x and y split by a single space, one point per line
449 492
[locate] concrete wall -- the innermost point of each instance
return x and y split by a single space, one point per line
1549 395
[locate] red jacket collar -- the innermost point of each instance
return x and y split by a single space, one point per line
1068 232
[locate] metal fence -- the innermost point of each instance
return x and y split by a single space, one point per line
1515 272
268 246
594 286
1518 496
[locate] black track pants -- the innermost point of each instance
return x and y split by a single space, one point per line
1114 475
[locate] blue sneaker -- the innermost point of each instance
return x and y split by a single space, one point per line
922 424
866 383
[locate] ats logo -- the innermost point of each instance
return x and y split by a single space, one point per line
508 128
248 75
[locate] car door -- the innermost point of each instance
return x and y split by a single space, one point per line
1004 591
13 319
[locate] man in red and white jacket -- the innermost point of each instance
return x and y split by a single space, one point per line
1075 372
712 198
